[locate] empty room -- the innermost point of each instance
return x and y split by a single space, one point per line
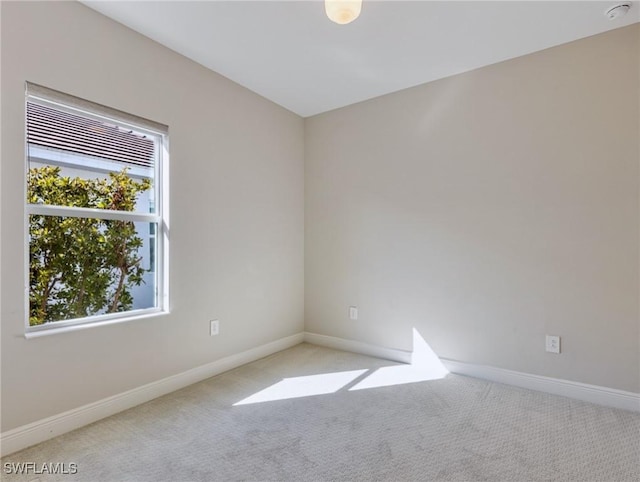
320 240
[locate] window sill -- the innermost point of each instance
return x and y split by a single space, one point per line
83 326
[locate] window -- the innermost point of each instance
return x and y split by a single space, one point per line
96 212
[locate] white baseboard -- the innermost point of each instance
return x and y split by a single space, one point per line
343 344
36 432
609 397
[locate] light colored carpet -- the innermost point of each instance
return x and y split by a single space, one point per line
456 428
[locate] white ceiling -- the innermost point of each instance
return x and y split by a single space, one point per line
290 53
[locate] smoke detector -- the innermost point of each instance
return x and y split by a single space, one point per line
617 11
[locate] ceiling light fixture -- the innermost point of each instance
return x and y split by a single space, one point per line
342 11
618 11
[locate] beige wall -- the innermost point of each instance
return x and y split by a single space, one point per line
487 210
236 211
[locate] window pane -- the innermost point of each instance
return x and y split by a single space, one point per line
83 162
80 267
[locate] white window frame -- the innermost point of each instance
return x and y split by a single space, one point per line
67 103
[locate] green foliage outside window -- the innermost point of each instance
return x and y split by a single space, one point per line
82 266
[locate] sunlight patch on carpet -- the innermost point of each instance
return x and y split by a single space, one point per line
306 386
425 365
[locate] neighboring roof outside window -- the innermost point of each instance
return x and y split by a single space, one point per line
55 129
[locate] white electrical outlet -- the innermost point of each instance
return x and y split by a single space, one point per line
353 312
552 344
215 327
